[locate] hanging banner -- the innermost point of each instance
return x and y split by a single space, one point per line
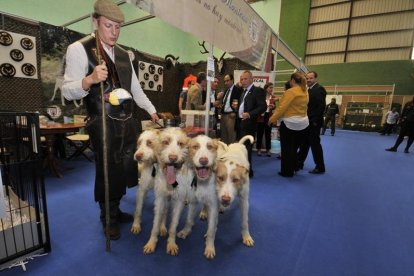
230 25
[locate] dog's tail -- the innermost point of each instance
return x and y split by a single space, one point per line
245 138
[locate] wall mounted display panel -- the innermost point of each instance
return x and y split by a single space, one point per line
390 54
361 8
326 46
328 13
324 59
339 28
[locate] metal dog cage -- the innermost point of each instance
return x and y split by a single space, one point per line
24 230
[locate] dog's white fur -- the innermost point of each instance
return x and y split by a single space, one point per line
147 162
172 154
233 180
203 155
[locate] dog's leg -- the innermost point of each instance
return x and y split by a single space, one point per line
203 214
244 209
210 251
189 221
160 205
141 195
163 227
172 247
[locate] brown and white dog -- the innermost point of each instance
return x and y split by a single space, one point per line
147 167
203 155
172 182
233 180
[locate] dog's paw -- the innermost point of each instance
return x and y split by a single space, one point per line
203 215
183 234
136 228
172 249
248 240
210 252
163 231
149 247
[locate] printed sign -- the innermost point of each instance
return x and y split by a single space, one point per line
260 78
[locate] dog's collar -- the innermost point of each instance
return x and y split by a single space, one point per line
154 171
194 182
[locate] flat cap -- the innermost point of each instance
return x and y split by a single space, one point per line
108 9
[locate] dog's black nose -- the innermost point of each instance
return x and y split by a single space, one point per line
225 200
203 161
173 157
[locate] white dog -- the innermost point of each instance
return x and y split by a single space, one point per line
203 155
147 166
172 182
233 179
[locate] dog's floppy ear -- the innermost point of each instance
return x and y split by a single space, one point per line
245 171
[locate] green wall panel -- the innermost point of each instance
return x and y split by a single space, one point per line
400 73
294 20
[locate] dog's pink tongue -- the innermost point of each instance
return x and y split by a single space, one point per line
171 179
203 172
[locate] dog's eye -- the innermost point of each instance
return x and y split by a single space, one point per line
139 143
165 142
220 178
209 147
181 144
195 147
149 143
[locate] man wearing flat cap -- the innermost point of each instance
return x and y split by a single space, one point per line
82 79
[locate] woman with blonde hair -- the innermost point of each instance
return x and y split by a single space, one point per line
292 112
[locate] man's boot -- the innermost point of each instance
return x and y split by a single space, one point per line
113 231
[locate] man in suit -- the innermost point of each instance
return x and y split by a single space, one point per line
316 109
228 113
252 103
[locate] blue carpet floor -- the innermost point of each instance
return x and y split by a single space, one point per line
357 219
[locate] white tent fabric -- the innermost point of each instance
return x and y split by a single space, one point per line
231 25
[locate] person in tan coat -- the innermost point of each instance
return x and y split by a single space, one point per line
196 95
292 112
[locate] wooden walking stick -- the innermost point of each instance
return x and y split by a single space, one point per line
105 150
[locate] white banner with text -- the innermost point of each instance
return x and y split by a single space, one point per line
230 25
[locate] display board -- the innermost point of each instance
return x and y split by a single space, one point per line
17 55
150 76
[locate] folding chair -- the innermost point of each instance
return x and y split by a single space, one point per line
80 141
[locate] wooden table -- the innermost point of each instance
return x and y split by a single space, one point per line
49 131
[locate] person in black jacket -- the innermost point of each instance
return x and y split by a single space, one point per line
84 75
228 114
407 127
252 103
316 109
331 111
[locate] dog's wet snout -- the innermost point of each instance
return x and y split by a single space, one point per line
139 155
173 157
225 199
203 161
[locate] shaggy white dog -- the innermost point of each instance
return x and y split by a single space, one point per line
172 182
203 155
233 180
147 166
